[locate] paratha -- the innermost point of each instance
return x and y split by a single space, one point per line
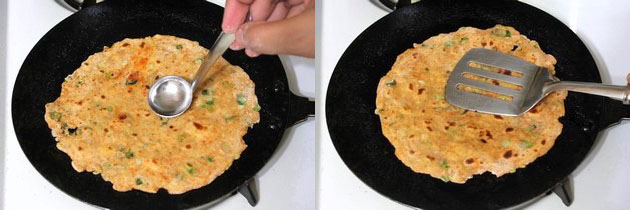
433 137
103 122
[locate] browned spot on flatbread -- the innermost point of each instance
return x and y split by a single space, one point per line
142 63
470 161
199 126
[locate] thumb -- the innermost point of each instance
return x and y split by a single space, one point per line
294 35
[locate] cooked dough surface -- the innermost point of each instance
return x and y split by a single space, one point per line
433 137
103 122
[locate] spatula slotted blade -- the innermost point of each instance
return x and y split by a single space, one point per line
508 69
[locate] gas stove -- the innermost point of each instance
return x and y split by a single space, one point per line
600 182
286 181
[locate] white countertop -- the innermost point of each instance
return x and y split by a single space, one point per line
286 182
601 182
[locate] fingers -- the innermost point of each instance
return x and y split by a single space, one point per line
234 14
295 35
295 10
279 12
261 9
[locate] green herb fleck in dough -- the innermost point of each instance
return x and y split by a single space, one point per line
138 181
257 108
532 127
240 99
110 108
505 143
109 75
205 92
391 83
445 178
181 137
179 46
449 44
444 164
129 154
191 169
209 159
55 116
229 118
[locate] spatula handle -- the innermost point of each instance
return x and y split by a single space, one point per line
621 93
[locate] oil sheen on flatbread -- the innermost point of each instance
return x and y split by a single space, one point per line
432 137
103 122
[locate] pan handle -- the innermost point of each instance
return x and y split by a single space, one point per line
615 112
391 5
300 108
77 4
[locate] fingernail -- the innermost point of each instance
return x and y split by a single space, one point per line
241 34
228 28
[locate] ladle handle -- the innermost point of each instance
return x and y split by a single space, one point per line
218 48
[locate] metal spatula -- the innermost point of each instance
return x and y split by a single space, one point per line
492 82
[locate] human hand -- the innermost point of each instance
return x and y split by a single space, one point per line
276 26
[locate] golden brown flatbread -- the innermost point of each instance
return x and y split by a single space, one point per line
103 122
433 137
